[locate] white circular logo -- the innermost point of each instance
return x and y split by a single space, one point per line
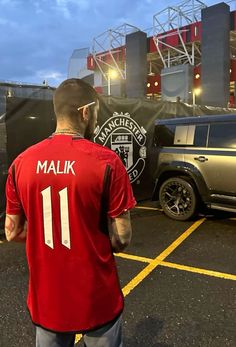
125 137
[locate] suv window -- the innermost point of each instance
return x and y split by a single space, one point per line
222 135
200 136
191 135
164 135
180 135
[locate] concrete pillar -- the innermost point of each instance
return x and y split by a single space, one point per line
215 47
136 64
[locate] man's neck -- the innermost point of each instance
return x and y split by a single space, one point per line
68 130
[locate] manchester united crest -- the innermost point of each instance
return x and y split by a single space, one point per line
125 137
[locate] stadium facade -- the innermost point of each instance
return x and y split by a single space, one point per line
189 54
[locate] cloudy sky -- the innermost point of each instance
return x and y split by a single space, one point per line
37 37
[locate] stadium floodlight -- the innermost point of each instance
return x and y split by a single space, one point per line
112 74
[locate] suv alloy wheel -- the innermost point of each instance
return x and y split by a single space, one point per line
178 198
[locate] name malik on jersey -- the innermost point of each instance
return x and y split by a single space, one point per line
56 167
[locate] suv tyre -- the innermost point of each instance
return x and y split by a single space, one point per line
178 198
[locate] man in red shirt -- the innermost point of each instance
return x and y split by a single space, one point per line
75 197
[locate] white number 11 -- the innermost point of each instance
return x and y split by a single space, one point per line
47 217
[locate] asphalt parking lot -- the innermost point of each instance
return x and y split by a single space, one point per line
179 280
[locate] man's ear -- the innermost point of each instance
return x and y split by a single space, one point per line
85 114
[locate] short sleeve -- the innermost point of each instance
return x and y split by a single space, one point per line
13 201
121 196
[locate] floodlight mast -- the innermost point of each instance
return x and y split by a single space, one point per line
170 22
109 44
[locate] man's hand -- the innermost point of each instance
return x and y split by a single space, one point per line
15 228
120 231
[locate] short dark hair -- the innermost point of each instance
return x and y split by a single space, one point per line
72 94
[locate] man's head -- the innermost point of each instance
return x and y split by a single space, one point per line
76 105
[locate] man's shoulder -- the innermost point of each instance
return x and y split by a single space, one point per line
30 150
100 151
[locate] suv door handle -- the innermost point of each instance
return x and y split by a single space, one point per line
201 158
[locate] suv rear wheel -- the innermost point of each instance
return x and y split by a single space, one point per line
178 198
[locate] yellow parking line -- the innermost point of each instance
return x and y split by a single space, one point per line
149 208
155 262
199 271
180 267
134 257
78 337
180 239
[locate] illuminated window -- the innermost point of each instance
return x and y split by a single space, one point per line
148 85
156 84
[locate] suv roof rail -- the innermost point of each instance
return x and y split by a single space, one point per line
197 119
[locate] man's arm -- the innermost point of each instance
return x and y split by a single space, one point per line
120 231
15 228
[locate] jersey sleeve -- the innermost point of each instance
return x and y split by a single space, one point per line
12 199
121 196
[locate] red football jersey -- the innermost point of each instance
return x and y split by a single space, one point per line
59 185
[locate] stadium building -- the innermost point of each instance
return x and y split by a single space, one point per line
189 55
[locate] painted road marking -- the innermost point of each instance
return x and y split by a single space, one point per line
134 257
199 271
155 262
149 208
78 337
180 267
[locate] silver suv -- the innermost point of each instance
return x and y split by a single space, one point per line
196 163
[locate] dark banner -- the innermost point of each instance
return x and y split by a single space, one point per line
124 125
127 127
28 121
